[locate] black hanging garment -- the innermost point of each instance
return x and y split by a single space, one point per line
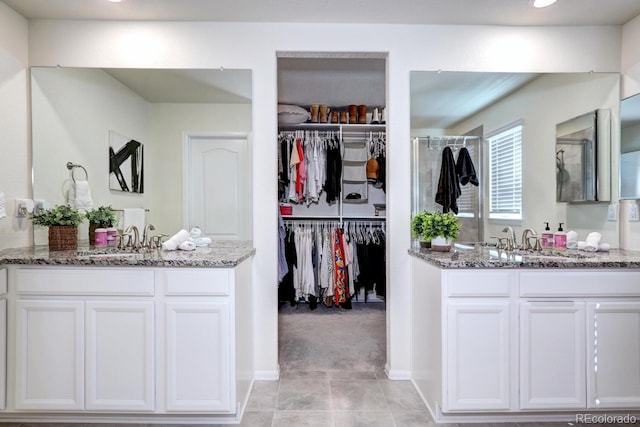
286 291
464 168
334 173
448 184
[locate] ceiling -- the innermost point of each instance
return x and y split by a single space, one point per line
306 81
453 12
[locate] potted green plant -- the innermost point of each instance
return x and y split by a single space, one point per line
63 221
102 217
437 227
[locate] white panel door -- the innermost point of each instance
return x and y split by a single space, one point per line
477 355
218 186
552 355
614 354
120 368
199 363
49 355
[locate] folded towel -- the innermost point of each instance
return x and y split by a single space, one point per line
187 245
79 196
602 247
592 241
133 216
3 211
201 241
175 240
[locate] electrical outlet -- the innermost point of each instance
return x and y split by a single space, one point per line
634 215
612 212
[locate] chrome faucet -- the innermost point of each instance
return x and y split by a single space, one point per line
511 241
146 236
136 236
526 245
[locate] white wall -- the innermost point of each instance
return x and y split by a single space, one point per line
165 163
545 102
15 169
254 46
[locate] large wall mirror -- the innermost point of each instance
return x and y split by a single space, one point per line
83 115
630 148
477 104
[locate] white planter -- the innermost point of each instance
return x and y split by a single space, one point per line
440 244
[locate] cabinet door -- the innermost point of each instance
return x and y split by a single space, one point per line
3 353
477 359
199 364
120 355
49 355
552 355
614 354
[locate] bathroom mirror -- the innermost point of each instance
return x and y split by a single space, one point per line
75 112
580 143
480 103
630 148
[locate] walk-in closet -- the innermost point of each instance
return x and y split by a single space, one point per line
332 275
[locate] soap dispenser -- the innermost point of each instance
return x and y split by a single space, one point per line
560 239
547 237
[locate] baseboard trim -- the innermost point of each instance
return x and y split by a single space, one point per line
273 375
396 374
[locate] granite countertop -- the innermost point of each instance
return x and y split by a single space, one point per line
219 254
490 257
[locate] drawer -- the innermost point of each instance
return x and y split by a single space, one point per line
479 283
196 281
85 281
584 283
3 280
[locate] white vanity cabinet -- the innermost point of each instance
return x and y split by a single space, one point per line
134 344
76 347
545 344
477 342
613 354
552 355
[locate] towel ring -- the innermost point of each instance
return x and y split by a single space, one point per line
72 167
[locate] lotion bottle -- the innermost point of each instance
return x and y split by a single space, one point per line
560 239
547 237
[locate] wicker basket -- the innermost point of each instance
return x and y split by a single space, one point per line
63 237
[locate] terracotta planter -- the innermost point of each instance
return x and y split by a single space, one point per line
63 237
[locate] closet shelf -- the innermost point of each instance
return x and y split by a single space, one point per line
335 126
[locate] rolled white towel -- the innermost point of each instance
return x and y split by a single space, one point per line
592 241
201 241
602 247
187 245
175 240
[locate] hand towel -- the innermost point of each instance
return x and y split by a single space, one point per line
592 241
465 169
602 247
133 216
187 245
448 184
175 240
3 210
79 196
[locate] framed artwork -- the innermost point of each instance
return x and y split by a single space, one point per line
126 165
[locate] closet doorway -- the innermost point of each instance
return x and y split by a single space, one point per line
332 197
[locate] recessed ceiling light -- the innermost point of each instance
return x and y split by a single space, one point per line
115 1
543 3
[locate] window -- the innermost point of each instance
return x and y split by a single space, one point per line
505 173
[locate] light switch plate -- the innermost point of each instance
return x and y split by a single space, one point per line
633 212
612 212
